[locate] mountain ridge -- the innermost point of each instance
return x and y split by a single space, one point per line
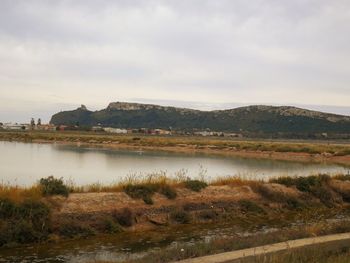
254 118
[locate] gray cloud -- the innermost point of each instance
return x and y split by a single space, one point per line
93 52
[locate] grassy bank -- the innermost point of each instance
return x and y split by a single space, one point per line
194 143
52 210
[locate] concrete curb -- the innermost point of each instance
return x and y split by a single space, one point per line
256 251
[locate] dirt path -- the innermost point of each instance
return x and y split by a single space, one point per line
239 254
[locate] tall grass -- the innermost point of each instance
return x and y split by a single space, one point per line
19 194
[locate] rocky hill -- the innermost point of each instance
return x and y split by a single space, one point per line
252 119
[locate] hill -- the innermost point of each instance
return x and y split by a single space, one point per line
258 119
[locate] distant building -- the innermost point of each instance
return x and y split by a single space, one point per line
115 130
203 133
15 127
236 135
162 132
46 127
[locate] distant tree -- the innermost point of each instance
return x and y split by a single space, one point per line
39 121
32 122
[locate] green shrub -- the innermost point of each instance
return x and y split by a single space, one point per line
142 191
6 235
146 191
75 229
168 191
195 185
7 208
268 193
303 184
53 186
35 210
23 223
249 206
325 195
294 203
24 232
112 227
180 216
208 214
124 217
285 180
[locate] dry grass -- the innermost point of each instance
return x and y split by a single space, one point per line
19 194
235 181
159 178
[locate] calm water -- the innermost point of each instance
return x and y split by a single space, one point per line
25 163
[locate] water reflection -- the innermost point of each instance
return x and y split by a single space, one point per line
25 163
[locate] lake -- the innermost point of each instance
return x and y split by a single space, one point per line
24 164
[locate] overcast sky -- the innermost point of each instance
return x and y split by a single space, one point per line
55 55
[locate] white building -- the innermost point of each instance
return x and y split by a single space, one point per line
15 126
115 130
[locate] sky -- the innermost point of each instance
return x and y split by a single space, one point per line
204 54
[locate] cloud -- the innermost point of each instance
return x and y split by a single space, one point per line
93 52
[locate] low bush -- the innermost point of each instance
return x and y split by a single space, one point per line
24 232
285 180
195 185
24 222
142 191
168 191
75 229
316 185
270 194
180 216
53 186
249 206
294 203
112 227
124 217
326 196
303 184
147 190
7 208
208 214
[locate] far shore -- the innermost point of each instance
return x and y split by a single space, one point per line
288 150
